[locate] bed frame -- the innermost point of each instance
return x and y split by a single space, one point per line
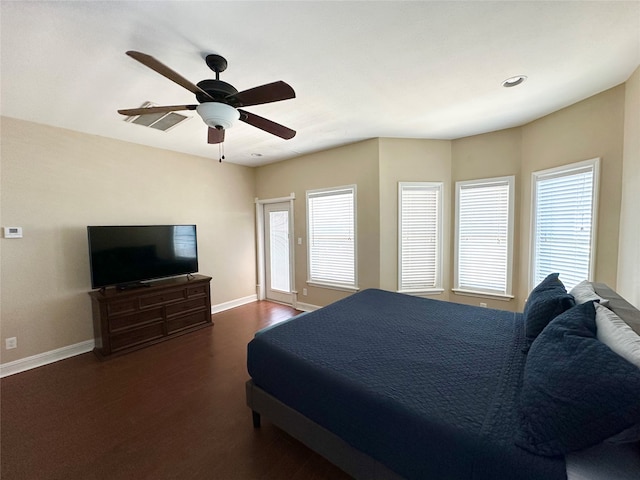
317 438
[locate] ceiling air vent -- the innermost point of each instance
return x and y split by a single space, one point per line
159 121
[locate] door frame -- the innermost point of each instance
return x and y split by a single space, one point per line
260 240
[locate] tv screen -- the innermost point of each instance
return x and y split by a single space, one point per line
125 255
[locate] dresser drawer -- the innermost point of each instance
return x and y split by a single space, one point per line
135 336
120 322
186 321
162 298
178 308
197 291
122 306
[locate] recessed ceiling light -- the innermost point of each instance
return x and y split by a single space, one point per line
513 81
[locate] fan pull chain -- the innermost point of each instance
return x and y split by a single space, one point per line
221 151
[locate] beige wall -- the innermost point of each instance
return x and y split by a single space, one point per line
375 166
589 129
629 246
352 164
55 182
410 160
495 154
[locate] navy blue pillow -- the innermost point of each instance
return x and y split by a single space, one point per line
548 300
551 282
576 391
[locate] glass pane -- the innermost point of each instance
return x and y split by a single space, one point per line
563 227
331 237
419 207
279 250
483 237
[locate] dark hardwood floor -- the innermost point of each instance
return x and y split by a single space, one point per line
175 410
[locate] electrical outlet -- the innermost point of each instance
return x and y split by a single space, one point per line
304 292
482 304
11 343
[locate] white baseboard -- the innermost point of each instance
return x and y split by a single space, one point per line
306 307
221 307
45 358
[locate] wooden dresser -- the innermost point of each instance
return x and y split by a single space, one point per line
125 320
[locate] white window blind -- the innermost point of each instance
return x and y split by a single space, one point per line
563 230
420 217
484 236
331 234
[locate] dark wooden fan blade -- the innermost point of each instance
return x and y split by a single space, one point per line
271 92
162 69
215 135
145 111
267 125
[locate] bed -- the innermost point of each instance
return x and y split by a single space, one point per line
391 386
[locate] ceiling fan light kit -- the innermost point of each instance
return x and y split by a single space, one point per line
218 115
219 101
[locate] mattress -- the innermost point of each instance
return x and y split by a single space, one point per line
425 387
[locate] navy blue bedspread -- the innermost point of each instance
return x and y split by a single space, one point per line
426 387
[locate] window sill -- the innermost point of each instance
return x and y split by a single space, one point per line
473 293
343 288
420 293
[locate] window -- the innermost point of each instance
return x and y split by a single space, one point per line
484 236
331 232
564 206
420 236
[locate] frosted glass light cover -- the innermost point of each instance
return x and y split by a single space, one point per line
216 114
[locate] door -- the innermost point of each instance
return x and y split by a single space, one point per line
277 254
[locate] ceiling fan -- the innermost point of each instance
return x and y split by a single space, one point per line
219 101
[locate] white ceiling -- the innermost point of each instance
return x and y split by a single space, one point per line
360 69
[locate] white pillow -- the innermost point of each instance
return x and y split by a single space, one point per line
584 292
617 335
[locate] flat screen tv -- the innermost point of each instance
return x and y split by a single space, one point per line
124 256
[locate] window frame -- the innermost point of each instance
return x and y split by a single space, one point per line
555 172
438 187
509 180
322 192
